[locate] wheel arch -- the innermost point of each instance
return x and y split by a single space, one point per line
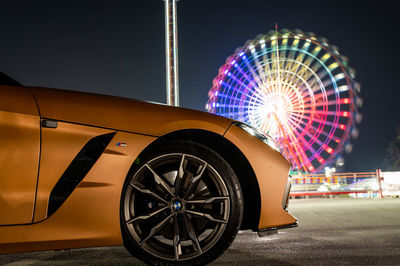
239 163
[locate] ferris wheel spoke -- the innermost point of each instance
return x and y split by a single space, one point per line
238 71
293 121
328 82
260 70
302 157
302 76
247 76
264 64
241 83
313 129
288 137
296 68
327 103
246 101
313 138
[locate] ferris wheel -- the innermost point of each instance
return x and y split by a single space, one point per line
296 88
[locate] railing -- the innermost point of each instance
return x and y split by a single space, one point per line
365 184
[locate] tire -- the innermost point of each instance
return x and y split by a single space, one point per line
181 204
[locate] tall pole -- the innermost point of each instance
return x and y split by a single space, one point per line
171 51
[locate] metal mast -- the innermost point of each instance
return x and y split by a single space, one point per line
171 51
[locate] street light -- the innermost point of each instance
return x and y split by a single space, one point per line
171 51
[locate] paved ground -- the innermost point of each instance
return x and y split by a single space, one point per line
331 232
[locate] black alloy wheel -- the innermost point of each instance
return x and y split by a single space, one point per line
181 205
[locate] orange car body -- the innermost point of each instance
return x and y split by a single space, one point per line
33 157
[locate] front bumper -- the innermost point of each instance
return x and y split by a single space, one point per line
272 171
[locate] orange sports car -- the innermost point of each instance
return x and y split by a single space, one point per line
172 185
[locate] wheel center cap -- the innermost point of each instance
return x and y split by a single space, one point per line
177 206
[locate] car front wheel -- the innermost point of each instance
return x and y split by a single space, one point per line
181 204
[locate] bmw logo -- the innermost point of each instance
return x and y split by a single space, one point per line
177 206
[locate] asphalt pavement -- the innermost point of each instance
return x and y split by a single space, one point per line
330 232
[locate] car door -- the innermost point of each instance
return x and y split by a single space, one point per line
19 154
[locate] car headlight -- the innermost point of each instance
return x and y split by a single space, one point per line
254 132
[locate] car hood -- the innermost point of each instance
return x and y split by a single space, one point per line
122 113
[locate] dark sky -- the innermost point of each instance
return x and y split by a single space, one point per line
117 47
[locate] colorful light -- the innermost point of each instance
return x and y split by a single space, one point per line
293 87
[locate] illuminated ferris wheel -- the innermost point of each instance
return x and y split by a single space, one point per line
296 88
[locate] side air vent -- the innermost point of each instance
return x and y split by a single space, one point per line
77 170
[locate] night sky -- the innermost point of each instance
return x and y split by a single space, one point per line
117 48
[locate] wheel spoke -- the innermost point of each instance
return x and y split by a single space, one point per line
192 233
147 191
160 181
207 200
177 240
195 180
156 228
181 167
147 216
179 177
206 215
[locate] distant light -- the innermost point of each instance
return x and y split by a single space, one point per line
242 53
329 150
329 171
348 148
358 117
359 102
220 82
355 133
342 127
346 100
333 66
339 76
339 162
233 62
216 93
357 86
325 57
316 50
